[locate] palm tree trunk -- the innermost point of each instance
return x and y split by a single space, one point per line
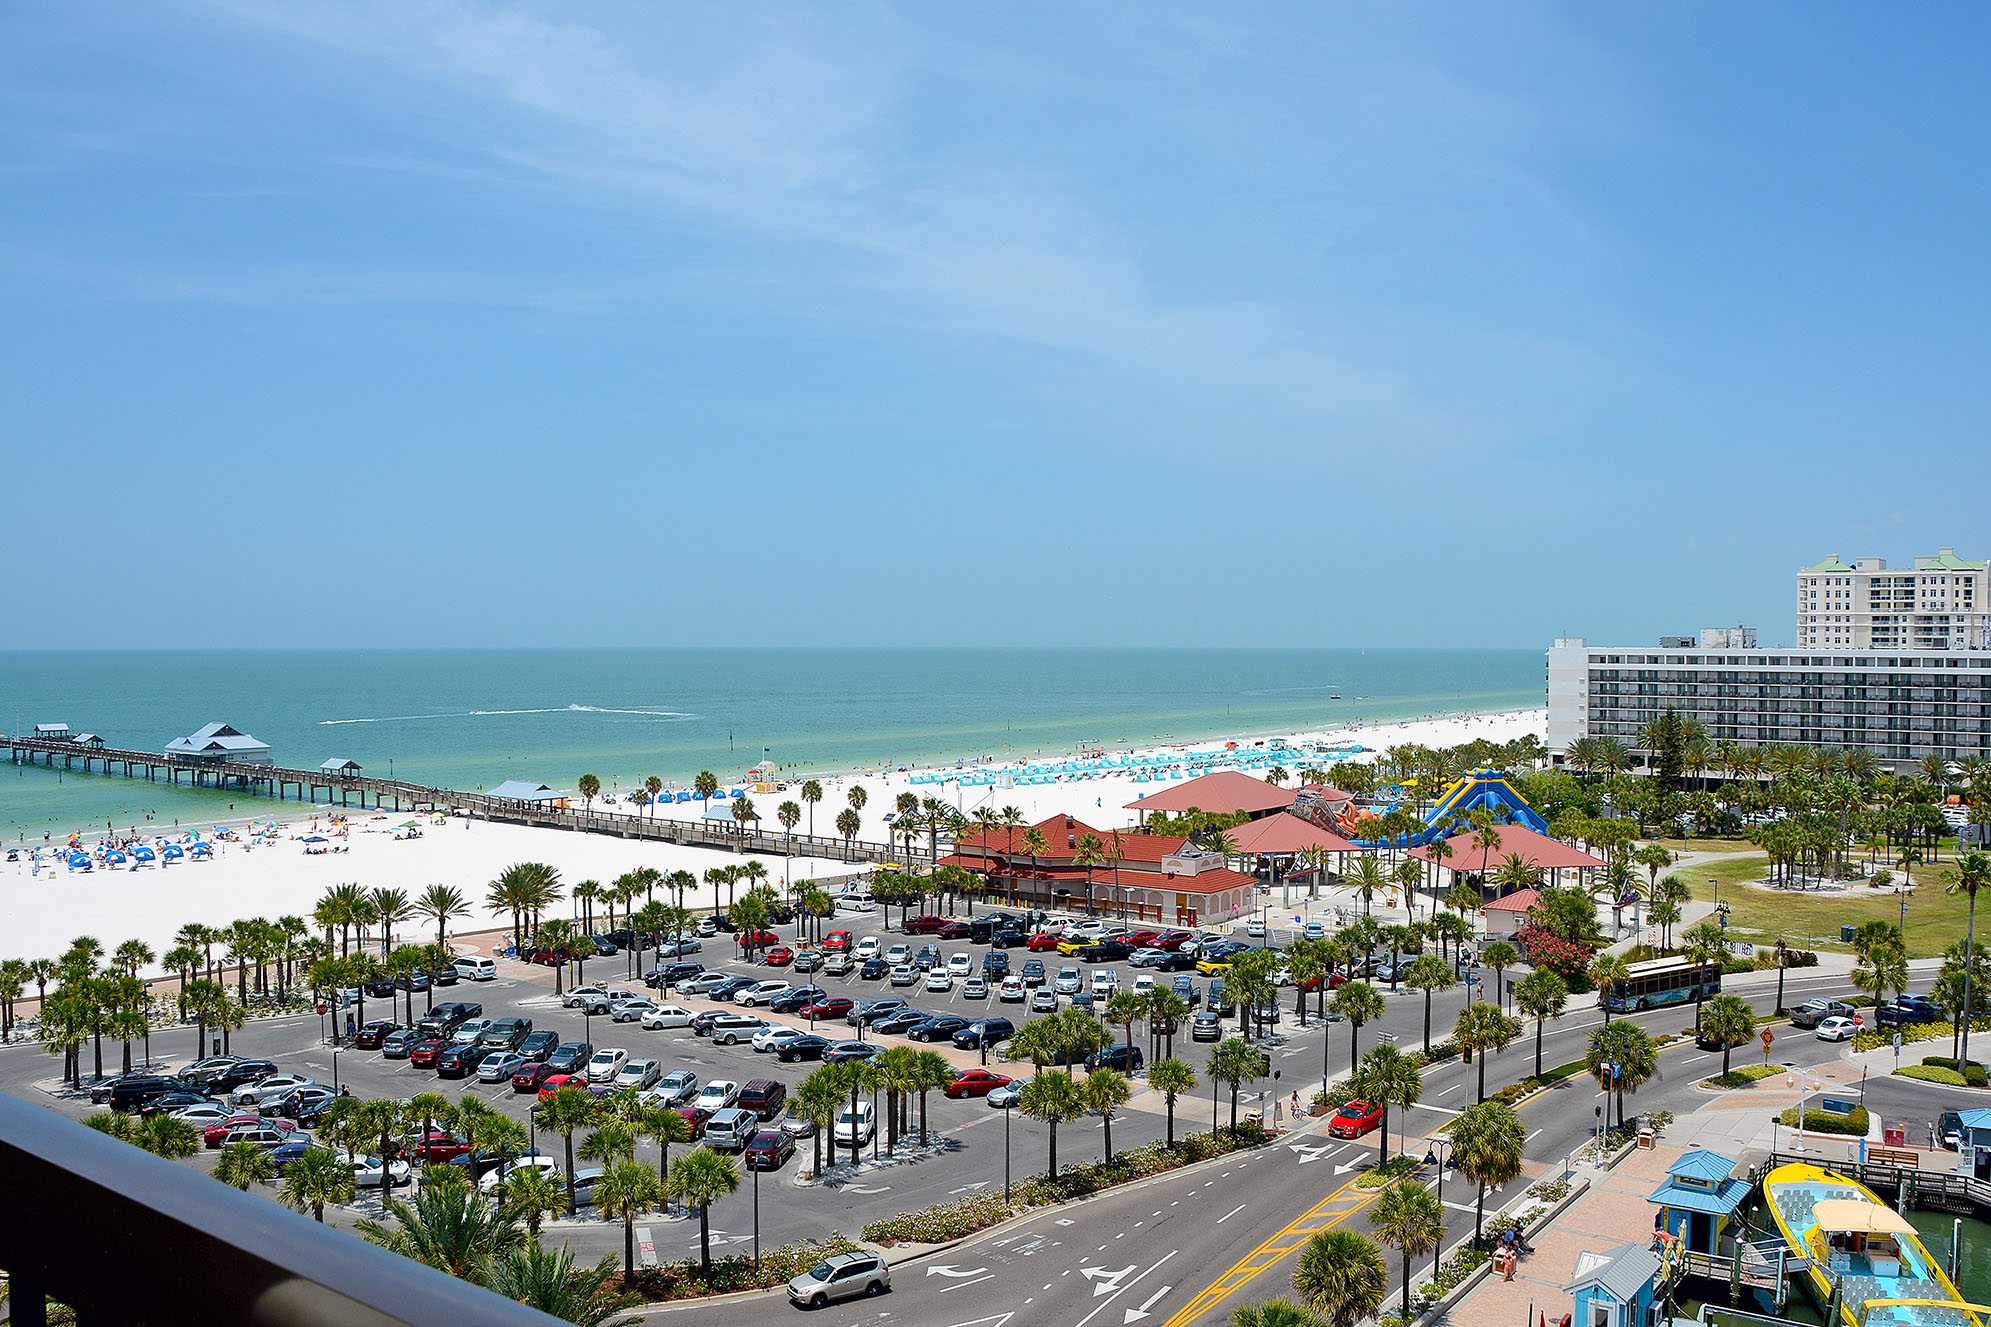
1479 1212
704 1238
1054 1147
1538 1048
628 1245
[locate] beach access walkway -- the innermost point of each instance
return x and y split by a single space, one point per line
366 792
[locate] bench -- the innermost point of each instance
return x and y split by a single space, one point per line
1893 1156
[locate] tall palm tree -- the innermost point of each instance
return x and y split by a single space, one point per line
1487 1141
441 904
1408 1218
1105 1091
1387 1077
1342 1277
1357 1002
811 793
1481 1028
1235 1062
700 1180
1055 1099
1429 974
1620 1056
314 1179
1172 1078
1274 1312
1541 995
567 1110
533 1193
1973 872
1728 1020
627 1190
244 1164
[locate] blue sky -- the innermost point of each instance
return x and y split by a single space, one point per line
462 324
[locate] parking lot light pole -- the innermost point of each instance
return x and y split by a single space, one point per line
1006 1112
756 1171
1431 1159
335 1069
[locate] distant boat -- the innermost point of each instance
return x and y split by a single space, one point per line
1335 696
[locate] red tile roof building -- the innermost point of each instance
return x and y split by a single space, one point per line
1154 877
1224 793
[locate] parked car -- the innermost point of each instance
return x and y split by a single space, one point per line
1006 1097
729 1128
808 1046
462 1061
718 1094
844 1276
369 1037
531 1076
846 1052
667 1016
570 1057
267 1089
539 1045
730 1029
769 1149
1127 1059
854 1124
984 1032
941 1027
976 1083
797 998
506 1033
1206 1026
606 1063
676 1088
975 988
762 993
638 1074
835 1006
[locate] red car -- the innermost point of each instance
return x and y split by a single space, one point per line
957 931
695 1116
1042 942
1143 939
550 958
1355 1119
834 1006
425 1053
217 1131
555 1082
925 924
779 957
440 1146
976 1083
763 936
530 1076
837 940
1172 940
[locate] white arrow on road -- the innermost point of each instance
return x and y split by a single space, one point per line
865 1188
1135 1315
1103 1281
1311 1153
946 1269
994 1320
1352 1165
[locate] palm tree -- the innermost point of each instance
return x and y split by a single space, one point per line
1620 1057
1235 1062
1387 1077
1172 1078
1055 1099
244 1164
627 1190
314 1179
1430 974
1357 1002
1702 944
1105 1091
568 1109
700 1180
1480 1028
1341 1276
1605 971
534 1193
811 793
1728 1020
546 1279
450 1227
441 904
1500 956
847 824
1973 872
817 1100
1408 1218
1487 1140
1541 995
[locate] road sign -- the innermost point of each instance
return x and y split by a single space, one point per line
1768 1037
1897 1041
1859 1021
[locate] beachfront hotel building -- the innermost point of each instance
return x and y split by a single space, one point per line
1941 603
1902 705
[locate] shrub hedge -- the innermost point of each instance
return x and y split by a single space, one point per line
1914 1032
684 1280
1817 1121
1931 1073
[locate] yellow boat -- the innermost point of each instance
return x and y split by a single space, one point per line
1862 1255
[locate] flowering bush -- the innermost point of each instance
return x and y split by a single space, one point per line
942 1221
684 1280
1566 958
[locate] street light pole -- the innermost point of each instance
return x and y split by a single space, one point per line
756 1171
1006 1112
335 1069
1431 1159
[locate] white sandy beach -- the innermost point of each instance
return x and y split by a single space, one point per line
46 912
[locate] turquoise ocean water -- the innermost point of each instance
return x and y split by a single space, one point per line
472 718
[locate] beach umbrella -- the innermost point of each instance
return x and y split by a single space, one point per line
314 838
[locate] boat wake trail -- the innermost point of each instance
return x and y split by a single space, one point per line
487 714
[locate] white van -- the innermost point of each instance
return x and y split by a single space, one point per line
856 903
475 967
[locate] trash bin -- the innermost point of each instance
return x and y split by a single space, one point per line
1645 1138
1845 933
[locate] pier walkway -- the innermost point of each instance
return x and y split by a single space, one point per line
365 792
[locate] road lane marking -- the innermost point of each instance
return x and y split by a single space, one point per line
1453 1088
1233 1212
1272 1251
963 1285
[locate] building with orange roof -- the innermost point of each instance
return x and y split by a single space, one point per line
1160 878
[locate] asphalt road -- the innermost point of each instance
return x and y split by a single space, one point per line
1281 1195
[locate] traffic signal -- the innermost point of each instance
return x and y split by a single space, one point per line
1468 1049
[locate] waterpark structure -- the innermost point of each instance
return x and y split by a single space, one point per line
1477 790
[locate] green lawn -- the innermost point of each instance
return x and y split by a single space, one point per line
1812 921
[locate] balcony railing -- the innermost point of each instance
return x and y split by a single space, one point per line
127 1238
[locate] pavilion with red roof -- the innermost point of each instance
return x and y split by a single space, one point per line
1225 792
1537 850
1160 878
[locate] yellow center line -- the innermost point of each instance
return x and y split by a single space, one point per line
1280 1246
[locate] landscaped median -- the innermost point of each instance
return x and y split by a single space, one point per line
944 1222
1745 1076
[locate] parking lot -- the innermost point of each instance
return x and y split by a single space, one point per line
973 1146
